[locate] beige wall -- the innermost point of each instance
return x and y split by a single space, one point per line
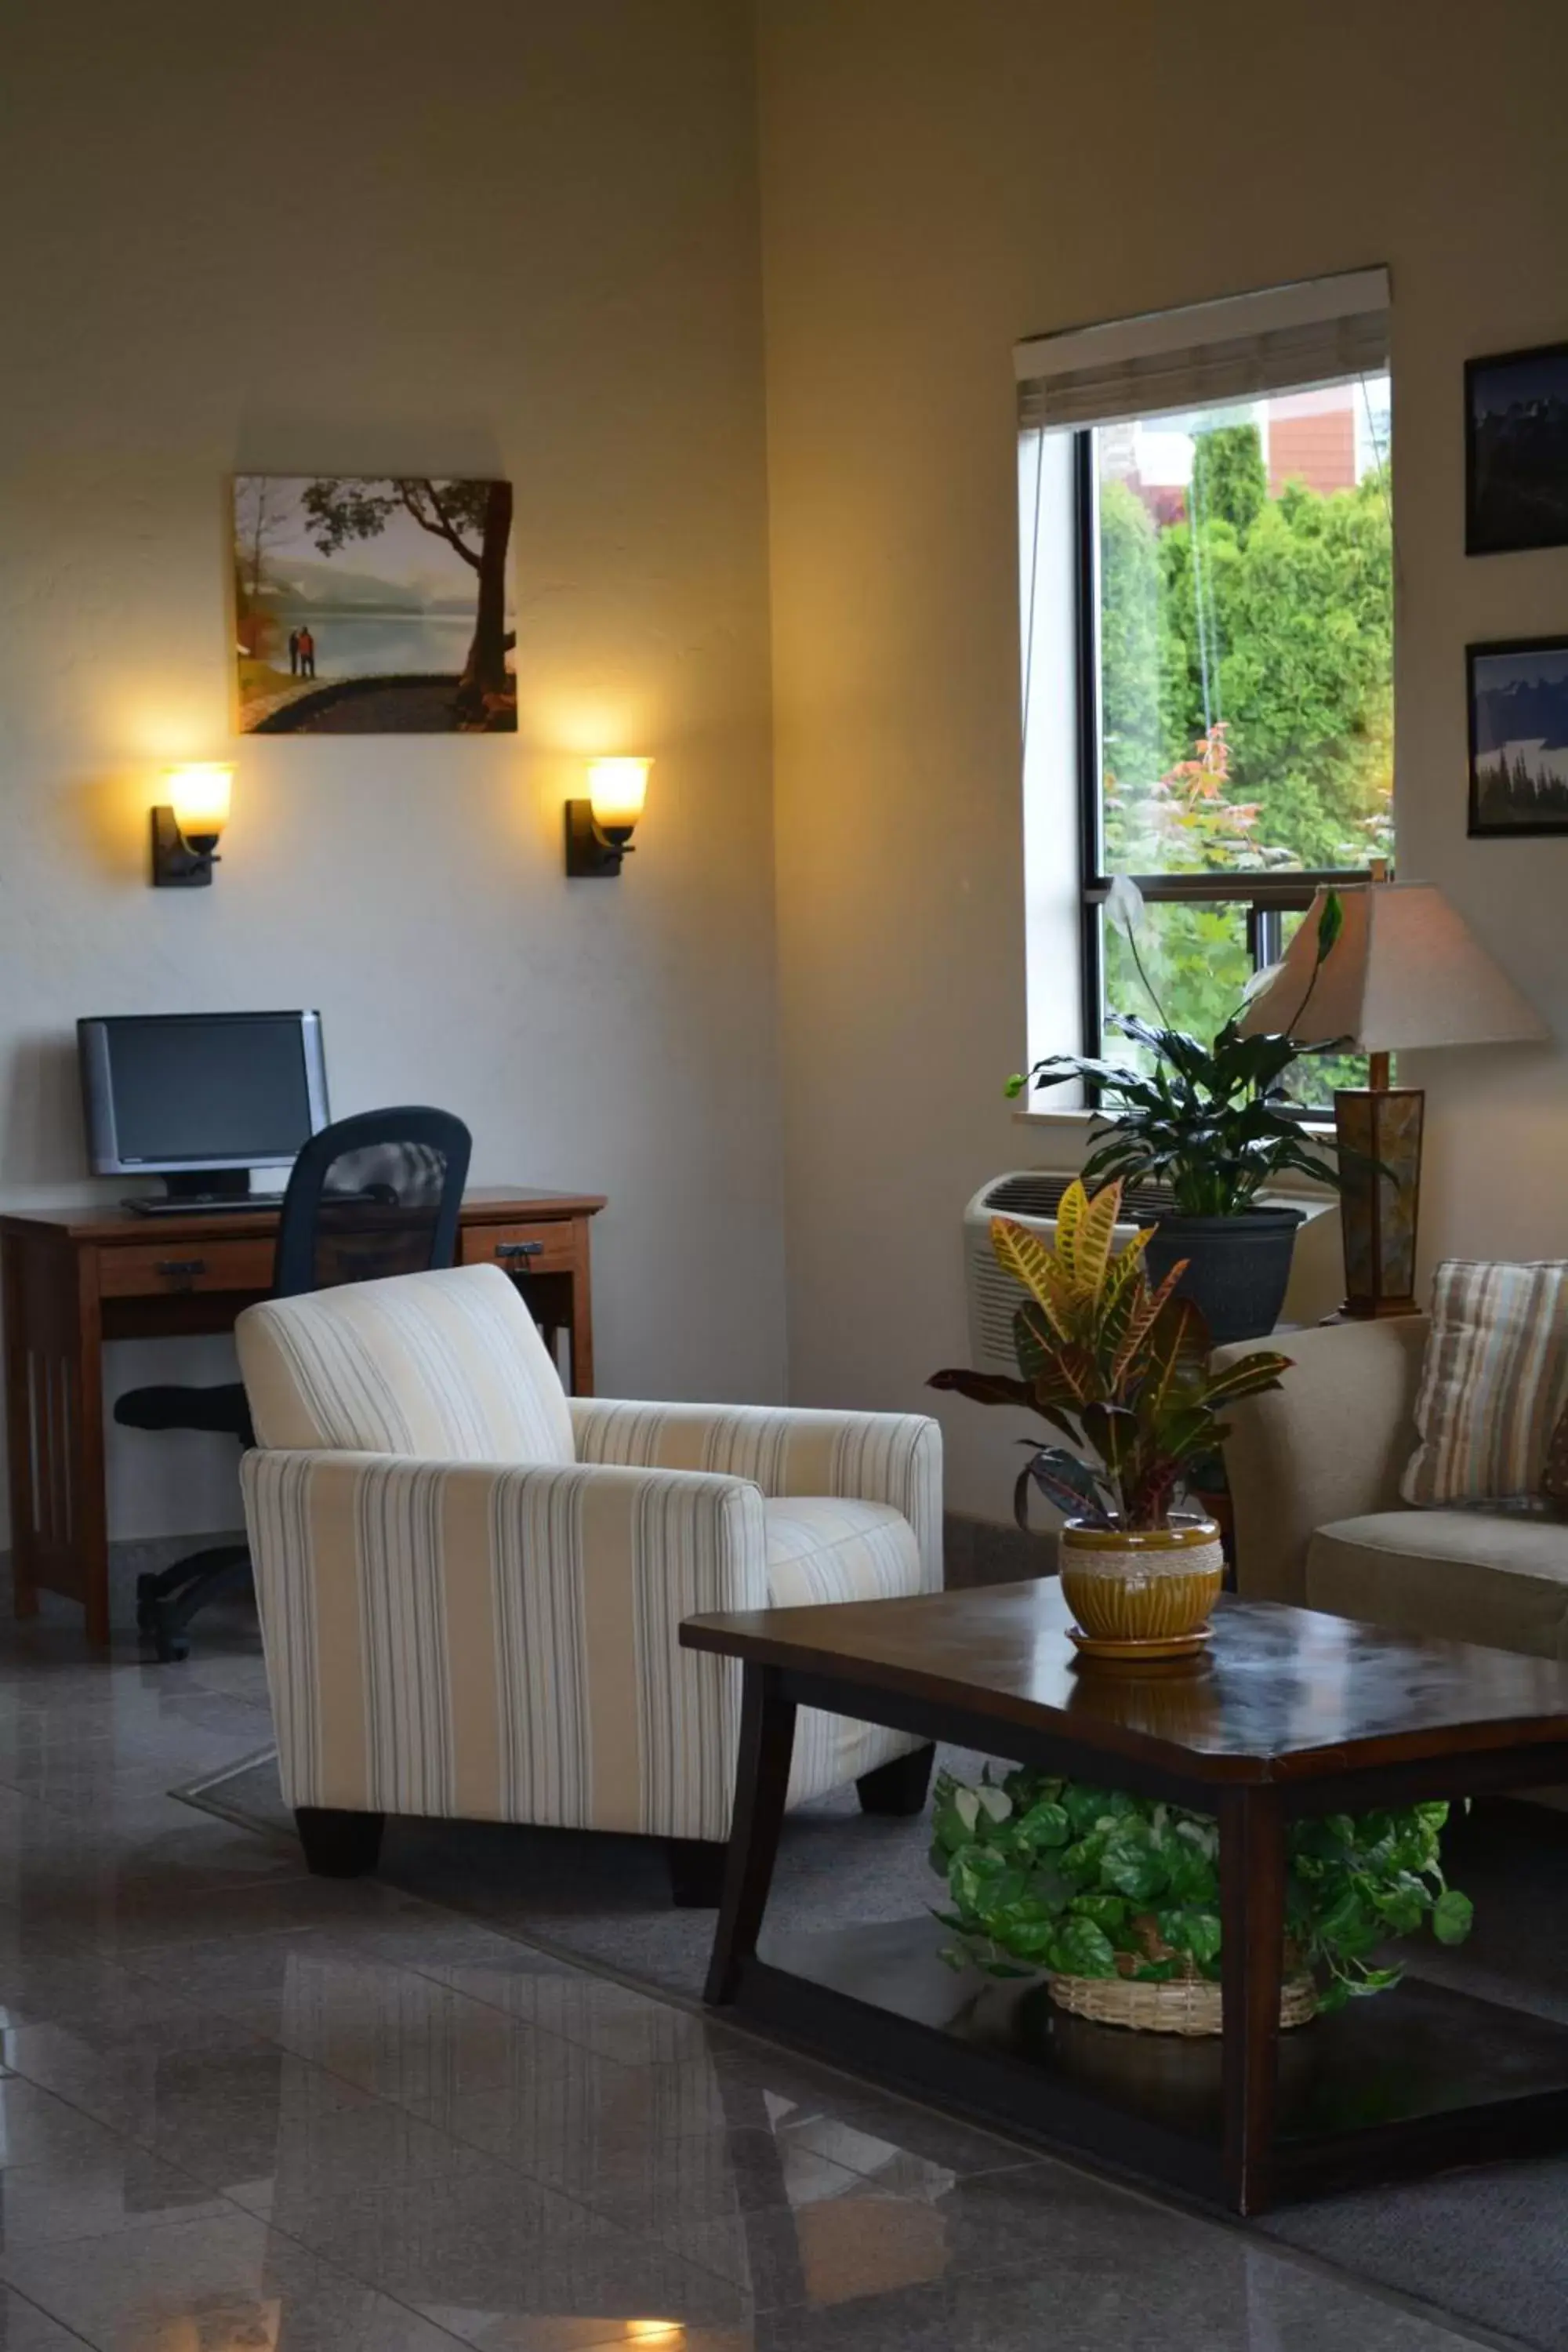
387 237
938 179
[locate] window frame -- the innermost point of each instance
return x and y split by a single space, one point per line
1267 895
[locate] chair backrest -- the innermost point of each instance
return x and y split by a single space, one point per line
372 1196
444 1367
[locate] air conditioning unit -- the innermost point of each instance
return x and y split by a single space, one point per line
1029 1199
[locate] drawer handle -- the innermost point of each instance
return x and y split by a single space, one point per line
182 1269
519 1249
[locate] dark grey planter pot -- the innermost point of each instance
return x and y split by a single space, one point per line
1237 1267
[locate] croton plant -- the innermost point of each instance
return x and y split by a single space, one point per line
1119 1368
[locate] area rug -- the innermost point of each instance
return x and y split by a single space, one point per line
1489 2246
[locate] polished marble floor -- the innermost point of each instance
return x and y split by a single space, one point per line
241 2109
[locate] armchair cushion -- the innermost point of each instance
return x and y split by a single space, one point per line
446 1366
788 1451
821 1549
1495 1578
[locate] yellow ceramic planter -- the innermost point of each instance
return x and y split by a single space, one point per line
1149 1586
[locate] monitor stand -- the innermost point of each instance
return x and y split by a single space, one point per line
208 1184
199 1190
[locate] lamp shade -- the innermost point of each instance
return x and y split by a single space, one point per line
1404 973
199 797
617 789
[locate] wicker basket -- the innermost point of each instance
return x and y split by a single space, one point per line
1185 2004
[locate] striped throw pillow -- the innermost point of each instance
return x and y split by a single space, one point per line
1494 1382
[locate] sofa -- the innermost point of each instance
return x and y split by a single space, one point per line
472 1585
1314 1471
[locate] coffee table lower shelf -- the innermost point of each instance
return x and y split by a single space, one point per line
1410 2082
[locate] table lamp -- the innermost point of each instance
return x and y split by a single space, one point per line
1404 973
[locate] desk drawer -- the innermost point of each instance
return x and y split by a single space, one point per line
522 1249
154 1269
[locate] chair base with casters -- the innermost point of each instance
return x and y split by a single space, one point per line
166 1602
472 1586
369 1196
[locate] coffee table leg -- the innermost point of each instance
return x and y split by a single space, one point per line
761 1784
1252 1911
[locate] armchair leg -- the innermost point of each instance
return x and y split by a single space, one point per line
696 1874
339 1844
901 1787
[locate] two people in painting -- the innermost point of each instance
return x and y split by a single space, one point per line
301 651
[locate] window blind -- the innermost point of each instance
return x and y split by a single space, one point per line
1319 331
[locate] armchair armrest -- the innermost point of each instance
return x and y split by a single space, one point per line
501 1644
1329 1444
869 1457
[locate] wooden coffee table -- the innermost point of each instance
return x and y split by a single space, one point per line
1291 1713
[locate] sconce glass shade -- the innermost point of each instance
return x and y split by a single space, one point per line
199 797
617 791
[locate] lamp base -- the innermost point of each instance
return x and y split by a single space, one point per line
178 863
593 849
1378 1130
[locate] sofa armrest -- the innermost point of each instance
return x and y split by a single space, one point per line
870 1457
493 1643
1329 1444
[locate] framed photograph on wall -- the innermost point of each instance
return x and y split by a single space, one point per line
1516 451
365 606
1518 737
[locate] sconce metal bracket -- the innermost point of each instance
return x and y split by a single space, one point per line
590 852
179 864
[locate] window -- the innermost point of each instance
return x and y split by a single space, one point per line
1216 574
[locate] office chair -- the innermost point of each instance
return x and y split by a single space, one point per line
372 1195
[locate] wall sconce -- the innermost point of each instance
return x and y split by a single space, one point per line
599 829
187 826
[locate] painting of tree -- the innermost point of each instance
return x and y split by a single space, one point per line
374 604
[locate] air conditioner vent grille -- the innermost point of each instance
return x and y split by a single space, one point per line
1041 1196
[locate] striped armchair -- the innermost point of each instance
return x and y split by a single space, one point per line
470 1585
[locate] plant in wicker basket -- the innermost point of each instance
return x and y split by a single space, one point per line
1095 1887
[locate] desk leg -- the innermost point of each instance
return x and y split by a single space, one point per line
761 1784
19 1435
54 1367
580 1331
1252 1912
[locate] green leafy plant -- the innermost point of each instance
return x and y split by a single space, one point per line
1052 1874
1211 1122
1118 1368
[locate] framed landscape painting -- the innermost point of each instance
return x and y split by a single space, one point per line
1516 451
370 606
1518 737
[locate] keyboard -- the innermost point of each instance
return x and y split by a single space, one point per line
200 1205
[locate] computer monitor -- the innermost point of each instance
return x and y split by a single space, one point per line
200 1098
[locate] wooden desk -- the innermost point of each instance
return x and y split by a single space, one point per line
74 1277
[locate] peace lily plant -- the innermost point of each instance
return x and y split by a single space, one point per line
1210 1122
1213 1125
